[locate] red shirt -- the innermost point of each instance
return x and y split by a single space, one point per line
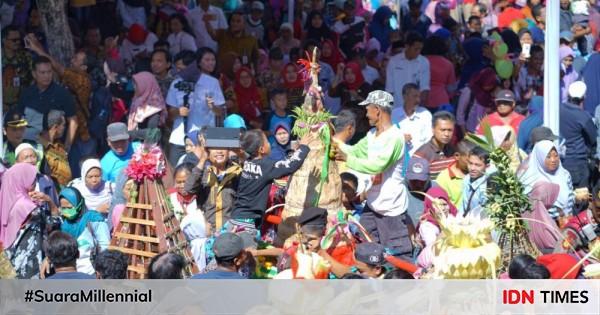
494 120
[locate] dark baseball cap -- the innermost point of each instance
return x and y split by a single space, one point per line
418 169
505 95
541 133
227 246
370 253
117 132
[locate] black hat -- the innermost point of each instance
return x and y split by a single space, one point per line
370 253
14 118
313 217
227 246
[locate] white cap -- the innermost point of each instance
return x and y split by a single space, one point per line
577 89
257 5
287 26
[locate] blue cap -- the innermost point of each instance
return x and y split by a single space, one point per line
234 121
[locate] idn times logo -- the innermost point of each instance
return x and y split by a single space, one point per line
511 296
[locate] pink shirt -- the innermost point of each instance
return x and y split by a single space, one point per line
442 77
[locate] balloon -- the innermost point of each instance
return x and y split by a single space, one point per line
500 50
495 36
504 68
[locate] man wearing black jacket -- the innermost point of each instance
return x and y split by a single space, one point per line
579 132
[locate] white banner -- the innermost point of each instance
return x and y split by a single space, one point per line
262 297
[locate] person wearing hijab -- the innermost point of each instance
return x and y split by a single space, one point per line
380 27
316 28
148 109
350 85
191 142
591 77
568 74
428 226
331 54
292 82
476 99
21 221
505 138
544 165
86 226
183 203
281 144
196 232
139 42
96 192
543 232
474 49
45 191
247 94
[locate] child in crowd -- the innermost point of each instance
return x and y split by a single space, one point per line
475 185
257 175
451 179
184 203
279 112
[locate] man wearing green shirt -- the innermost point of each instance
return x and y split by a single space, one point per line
379 154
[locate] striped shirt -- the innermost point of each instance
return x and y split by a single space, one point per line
439 159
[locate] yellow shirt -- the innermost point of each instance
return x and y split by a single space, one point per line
452 183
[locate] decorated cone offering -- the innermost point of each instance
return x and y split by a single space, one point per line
148 225
317 182
505 203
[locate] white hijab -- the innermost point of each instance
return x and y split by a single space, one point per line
536 172
193 226
97 197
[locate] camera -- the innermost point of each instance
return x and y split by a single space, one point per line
186 87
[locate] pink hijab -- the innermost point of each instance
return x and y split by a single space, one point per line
542 197
15 204
149 100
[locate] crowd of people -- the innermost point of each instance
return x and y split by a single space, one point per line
405 86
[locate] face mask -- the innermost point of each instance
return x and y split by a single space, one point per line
69 213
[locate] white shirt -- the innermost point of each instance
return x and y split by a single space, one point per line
131 15
203 39
418 126
181 41
339 26
200 115
175 99
129 50
401 71
370 74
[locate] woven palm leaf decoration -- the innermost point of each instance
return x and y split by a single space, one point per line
506 201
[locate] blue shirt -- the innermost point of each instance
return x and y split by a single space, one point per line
218 274
579 131
475 191
112 164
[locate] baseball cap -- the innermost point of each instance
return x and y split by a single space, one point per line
234 121
577 89
541 133
15 119
257 5
566 35
418 169
379 98
370 253
117 132
505 95
228 246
